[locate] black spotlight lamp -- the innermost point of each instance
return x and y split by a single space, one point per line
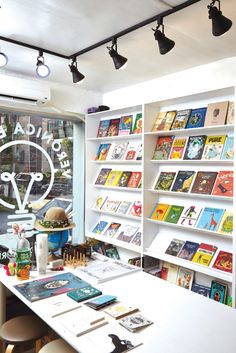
3 59
120 62
165 44
76 75
42 70
220 23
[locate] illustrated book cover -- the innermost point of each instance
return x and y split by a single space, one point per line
125 125
131 151
216 113
112 229
210 218
103 128
136 209
183 181
224 184
135 322
113 178
189 216
118 151
188 250
117 311
99 202
113 128
102 176
169 272
177 149
138 124
204 182
164 181
201 289
99 227
159 211
204 254
164 121
123 207
103 151
124 179
181 119
81 294
134 180
139 154
196 118
173 214
218 291
110 205
111 251
194 147
174 247
223 261
230 114
228 151
185 278
127 233
226 224
137 239
213 147
163 147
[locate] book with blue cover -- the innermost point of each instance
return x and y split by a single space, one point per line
196 118
201 289
183 181
188 250
210 218
228 151
100 226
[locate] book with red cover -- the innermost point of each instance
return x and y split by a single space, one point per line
103 128
134 180
136 209
224 183
204 182
223 261
113 128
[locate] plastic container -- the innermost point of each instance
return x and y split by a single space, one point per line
23 258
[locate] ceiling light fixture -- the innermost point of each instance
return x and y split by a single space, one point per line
77 76
3 59
42 70
120 61
165 44
220 23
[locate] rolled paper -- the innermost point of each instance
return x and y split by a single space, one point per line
42 252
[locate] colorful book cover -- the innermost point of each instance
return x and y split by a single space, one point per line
110 205
120 310
159 211
134 180
188 250
173 214
174 247
139 154
123 207
164 121
190 216
100 226
228 151
204 254
196 118
163 147
201 289
177 149
213 147
103 128
204 182
210 218
124 179
185 278
136 209
169 272
125 125
135 322
113 178
131 152
99 202
224 184
226 224
102 176
224 261
194 147
181 119
138 124
113 127
103 151
216 113
112 252
230 114
218 291
183 181
164 181
127 233
118 151
112 229
137 239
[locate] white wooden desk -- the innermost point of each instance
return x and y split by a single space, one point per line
184 322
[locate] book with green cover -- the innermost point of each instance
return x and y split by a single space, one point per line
173 214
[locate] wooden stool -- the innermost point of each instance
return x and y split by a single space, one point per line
57 346
22 330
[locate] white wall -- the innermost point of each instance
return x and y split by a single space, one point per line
202 78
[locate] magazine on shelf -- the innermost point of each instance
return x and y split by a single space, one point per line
113 178
190 216
103 151
226 224
123 207
125 125
173 214
102 176
137 239
228 151
188 250
218 291
194 147
159 211
204 254
216 113
163 147
213 147
110 205
139 152
136 209
124 179
100 227
174 247
224 261
103 128
230 113
127 233
164 121
131 151
138 124
111 229
111 251
201 289
181 119
183 181
169 272
196 118
164 181
113 128
204 182
99 202
210 218
134 180
224 183
178 147
185 278
117 151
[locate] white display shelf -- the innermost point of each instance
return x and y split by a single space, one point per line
200 162
116 138
122 161
137 219
191 195
117 188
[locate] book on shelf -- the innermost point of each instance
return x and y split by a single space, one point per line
117 311
169 272
102 152
135 261
123 207
229 300
136 209
218 291
100 227
139 154
174 247
224 183
137 239
183 181
173 214
230 113
102 176
112 229
124 179
113 178
223 261
185 278
113 128
164 121
188 250
110 205
190 216
216 113
194 147
127 233
210 218
204 254
213 147
138 124
159 211
135 322
134 180
226 224
132 149
103 128
177 149
125 125
228 151
196 118
201 289
117 151
204 182
163 147
111 251
101 302
181 119
99 202
164 181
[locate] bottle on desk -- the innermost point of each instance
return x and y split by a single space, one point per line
23 258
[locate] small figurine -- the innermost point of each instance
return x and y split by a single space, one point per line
10 269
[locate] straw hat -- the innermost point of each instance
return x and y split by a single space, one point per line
55 219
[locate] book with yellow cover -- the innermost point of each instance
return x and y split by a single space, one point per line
213 148
177 149
204 254
159 211
164 121
113 178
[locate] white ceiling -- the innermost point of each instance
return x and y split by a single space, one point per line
67 26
